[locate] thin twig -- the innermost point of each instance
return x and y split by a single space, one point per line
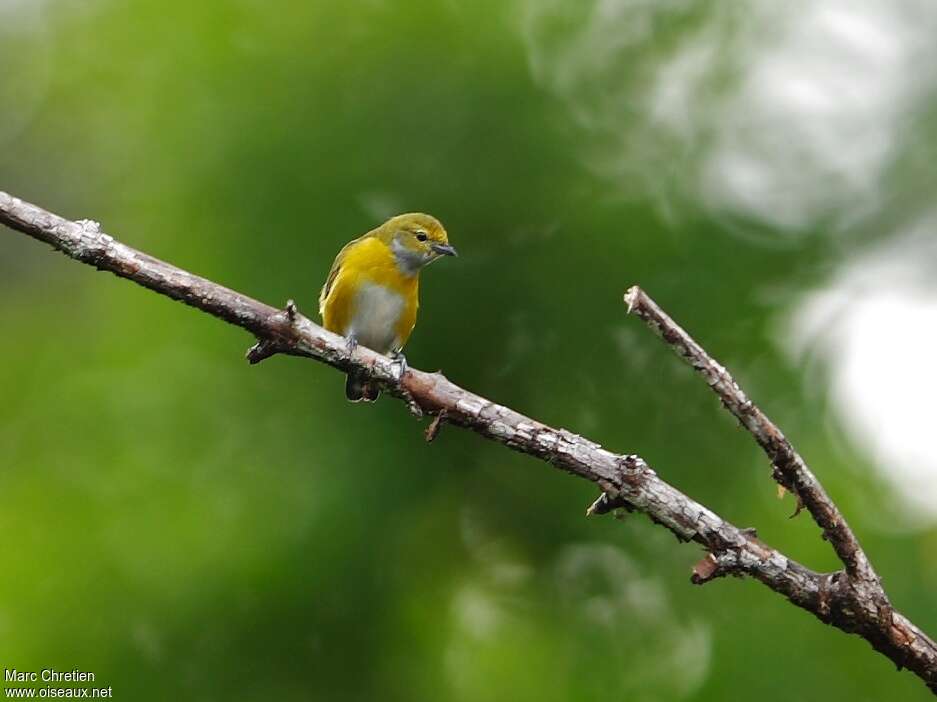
790 470
432 431
626 479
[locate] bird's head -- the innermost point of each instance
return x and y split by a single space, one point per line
417 240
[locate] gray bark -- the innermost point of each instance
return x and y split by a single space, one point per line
851 599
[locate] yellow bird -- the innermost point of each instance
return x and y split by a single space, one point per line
372 292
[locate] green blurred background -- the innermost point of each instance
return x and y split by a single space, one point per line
189 527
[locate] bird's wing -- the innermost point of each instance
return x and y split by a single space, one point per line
334 271
327 288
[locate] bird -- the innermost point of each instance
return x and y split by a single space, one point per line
371 294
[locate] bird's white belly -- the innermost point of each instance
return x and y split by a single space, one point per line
374 321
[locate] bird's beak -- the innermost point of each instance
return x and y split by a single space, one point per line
444 249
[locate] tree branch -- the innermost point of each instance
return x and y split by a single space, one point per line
790 471
851 600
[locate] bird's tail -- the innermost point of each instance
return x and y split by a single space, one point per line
358 388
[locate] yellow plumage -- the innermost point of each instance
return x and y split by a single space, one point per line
371 295
369 261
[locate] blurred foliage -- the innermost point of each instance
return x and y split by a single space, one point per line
189 527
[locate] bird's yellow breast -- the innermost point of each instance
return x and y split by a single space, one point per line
369 297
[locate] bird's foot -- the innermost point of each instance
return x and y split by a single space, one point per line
351 343
400 364
399 369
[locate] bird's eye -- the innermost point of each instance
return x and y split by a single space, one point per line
421 236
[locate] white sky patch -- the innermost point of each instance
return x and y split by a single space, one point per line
814 122
788 114
873 329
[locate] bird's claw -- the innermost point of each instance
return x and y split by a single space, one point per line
351 343
400 365
399 369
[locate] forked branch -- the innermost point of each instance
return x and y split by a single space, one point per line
790 471
851 599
